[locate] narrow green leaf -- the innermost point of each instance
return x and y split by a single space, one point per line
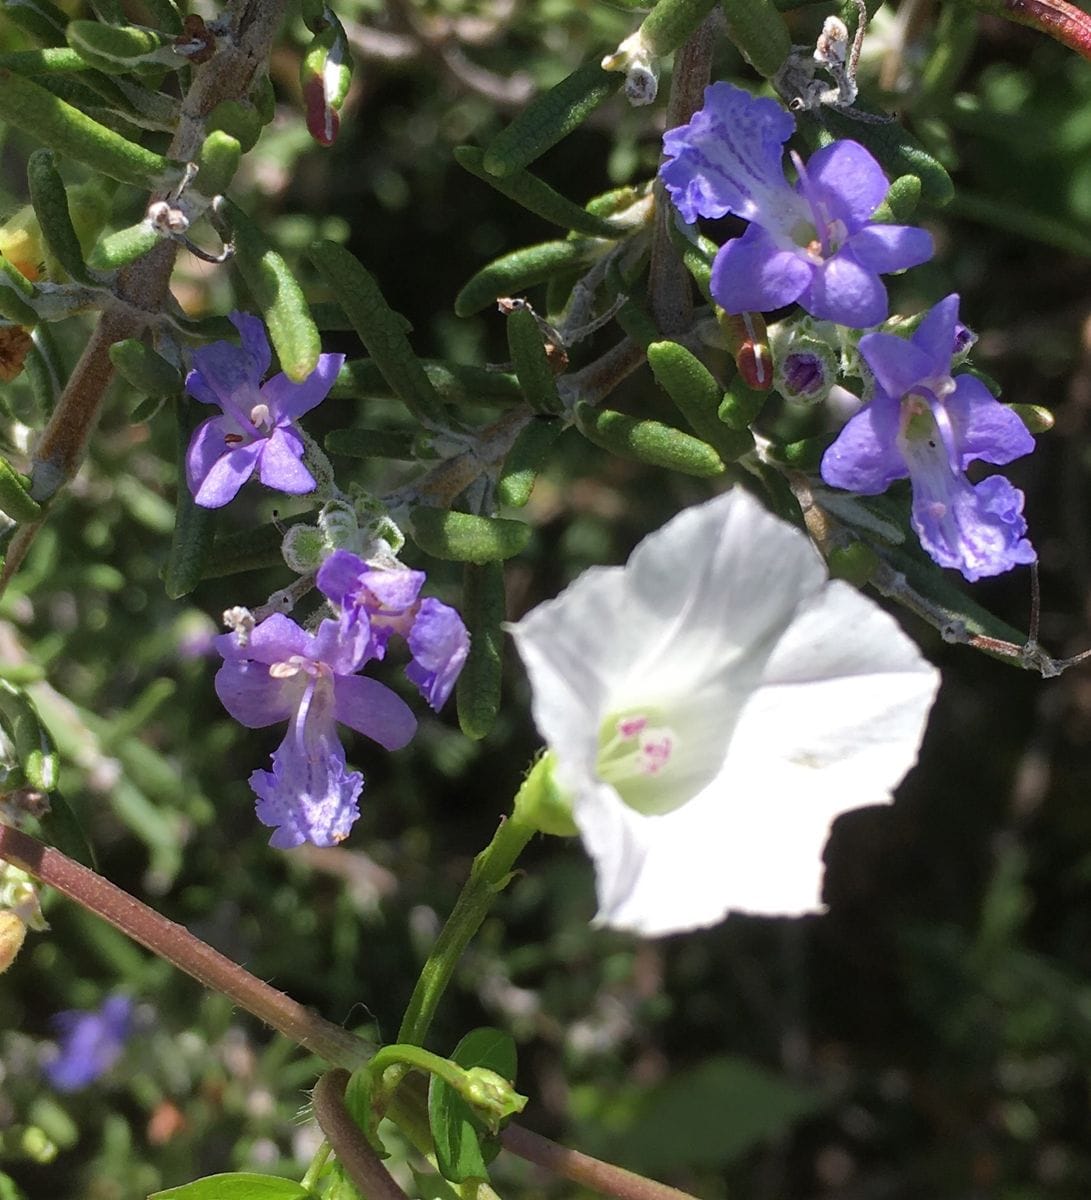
41 19
120 47
532 367
14 497
521 269
648 441
697 395
760 33
741 404
278 295
463 537
454 383
456 1134
239 118
217 162
194 526
478 692
123 247
380 329
525 460
549 118
148 372
242 1185
70 132
537 196
670 23
61 827
50 202
372 443
39 62
31 743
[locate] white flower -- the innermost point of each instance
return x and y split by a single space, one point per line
711 707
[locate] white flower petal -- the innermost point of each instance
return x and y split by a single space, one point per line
806 698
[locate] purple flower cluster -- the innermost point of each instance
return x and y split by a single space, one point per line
926 425
812 242
283 673
257 430
89 1043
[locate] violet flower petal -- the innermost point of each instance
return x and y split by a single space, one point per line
885 248
90 1043
372 709
753 274
849 181
254 697
288 400
899 366
339 575
226 475
984 428
439 644
280 465
845 292
255 342
866 457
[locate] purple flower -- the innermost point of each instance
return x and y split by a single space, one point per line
384 601
90 1043
810 243
924 424
283 673
257 430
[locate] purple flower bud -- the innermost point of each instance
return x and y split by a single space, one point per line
90 1042
804 373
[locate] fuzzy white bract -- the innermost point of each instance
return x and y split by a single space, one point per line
711 707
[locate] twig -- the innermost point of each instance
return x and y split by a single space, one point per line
182 949
355 1154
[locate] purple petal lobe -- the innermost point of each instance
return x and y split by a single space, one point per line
288 400
752 274
228 373
226 475
439 644
845 292
339 575
254 697
280 463
866 457
935 335
255 344
372 709
984 428
883 248
898 366
850 181
90 1043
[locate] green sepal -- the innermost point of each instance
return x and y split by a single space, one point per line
549 118
760 33
194 525
63 128
803 455
479 685
453 383
50 201
741 404
536 196
217 162
381 330
373 443
525 459
901 201
239 118
697 395
124 246
14 497
31 744
464 537
147 372
542 803
515 272
532 367
277 294
456 1130
670 23
236 1185
648 441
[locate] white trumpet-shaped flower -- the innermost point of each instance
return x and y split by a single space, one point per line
711 707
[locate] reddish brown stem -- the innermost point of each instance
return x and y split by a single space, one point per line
1066 23
355 1154
180 948
603 1177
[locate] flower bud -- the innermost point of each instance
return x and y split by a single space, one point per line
542 803
491 1097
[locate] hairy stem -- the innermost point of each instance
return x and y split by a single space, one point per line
182 949
355 1154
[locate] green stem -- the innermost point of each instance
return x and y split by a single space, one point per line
415 1058
488 877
